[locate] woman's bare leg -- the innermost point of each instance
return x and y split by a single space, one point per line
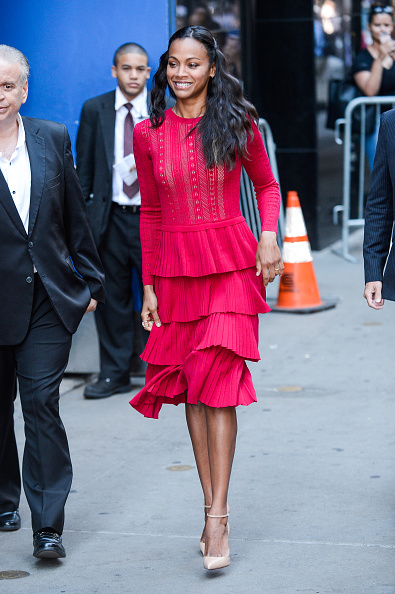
221 438
196 421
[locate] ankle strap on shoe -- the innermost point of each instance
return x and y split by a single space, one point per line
211 516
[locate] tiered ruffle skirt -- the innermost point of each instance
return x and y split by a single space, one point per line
209 299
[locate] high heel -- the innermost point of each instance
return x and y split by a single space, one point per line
202 543
216 562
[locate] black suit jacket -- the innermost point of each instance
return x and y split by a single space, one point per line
59 241
95 157
380 208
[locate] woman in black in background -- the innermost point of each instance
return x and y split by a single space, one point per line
373 68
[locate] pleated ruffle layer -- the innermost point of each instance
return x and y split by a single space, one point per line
215 376
185 299
200 361
223 246
170 344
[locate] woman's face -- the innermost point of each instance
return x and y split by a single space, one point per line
381 25
188 69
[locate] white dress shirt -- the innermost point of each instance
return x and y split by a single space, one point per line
139 112
17 174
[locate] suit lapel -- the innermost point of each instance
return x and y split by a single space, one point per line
36 149
107 120
9 205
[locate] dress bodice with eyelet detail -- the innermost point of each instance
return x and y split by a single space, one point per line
191 224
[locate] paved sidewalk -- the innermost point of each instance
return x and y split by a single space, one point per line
313 488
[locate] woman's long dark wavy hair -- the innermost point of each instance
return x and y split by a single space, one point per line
226 123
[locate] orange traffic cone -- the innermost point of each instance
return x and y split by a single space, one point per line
298 291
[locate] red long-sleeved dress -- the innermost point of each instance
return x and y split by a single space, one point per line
199 254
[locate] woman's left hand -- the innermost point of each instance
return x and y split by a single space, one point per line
268 257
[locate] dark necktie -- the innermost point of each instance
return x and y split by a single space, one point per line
132 190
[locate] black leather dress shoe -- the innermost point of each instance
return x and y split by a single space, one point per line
104 388
48 545
10 521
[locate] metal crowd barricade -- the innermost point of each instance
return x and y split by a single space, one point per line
360 103
248 203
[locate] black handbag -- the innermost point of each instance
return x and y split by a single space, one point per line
341 92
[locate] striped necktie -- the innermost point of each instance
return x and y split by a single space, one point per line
132 190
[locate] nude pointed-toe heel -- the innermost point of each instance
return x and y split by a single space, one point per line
216 562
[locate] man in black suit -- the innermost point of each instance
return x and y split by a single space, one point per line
104 140
379 259
50 275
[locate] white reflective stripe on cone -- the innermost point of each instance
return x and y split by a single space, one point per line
297 252
294 223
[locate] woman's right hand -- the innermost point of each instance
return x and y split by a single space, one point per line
149 311
387 47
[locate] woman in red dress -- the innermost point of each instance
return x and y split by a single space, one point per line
204 274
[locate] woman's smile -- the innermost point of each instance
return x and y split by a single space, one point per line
181 84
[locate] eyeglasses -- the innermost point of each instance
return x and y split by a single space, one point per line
379 9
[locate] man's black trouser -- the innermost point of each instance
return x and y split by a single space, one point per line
115 319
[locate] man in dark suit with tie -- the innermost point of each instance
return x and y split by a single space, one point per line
104 140
50 275
379 257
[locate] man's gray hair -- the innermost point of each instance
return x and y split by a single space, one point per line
12 55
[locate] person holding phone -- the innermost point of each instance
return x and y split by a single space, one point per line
373 68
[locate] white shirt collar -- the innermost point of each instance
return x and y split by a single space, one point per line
139 102
21 133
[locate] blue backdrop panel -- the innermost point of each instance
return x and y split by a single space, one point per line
70 47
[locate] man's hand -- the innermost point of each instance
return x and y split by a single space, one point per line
92 306
372 294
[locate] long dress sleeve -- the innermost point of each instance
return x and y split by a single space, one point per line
150 213
267 190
